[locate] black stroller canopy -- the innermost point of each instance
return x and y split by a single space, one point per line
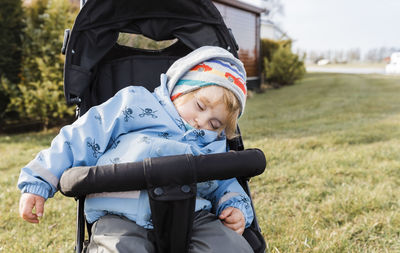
194 23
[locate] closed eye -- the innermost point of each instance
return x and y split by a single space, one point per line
215 124
200 106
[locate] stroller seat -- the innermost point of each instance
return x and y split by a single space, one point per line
96 67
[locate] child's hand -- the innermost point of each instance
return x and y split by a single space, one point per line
29 201
233 218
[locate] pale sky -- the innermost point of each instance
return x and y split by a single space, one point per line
342 24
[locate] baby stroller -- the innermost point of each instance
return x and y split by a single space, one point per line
96 67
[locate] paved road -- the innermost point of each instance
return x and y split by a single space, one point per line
347 70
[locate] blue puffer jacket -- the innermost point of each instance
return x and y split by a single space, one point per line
132 125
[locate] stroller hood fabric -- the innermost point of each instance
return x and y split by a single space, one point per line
194 23
205 53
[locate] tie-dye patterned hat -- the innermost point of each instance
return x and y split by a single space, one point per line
213 72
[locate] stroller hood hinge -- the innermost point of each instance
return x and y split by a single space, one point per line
65 41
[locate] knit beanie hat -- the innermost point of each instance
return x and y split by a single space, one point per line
213 72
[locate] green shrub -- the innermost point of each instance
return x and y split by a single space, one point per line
284 68
4 98
11 31
280 66
268 48
39 95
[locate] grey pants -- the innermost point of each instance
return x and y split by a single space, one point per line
115 234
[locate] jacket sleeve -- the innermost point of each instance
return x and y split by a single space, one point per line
83 142
231 194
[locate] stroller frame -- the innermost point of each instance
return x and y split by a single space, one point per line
96 68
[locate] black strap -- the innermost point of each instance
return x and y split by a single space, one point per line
172 209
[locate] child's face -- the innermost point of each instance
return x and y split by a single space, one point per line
205 109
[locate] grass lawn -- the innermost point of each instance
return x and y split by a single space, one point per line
332 143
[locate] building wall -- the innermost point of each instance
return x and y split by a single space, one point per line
268 31
245 28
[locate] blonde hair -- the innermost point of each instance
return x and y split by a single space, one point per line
232 106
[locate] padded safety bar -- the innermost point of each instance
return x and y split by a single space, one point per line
80 181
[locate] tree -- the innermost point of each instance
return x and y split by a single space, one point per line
140 41
354 55
11 31
275 8
32 43
40 91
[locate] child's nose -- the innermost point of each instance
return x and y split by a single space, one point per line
197 123
201 122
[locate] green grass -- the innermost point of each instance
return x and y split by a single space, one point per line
56 231
332 183
332 142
